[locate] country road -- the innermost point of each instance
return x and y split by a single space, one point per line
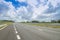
19 31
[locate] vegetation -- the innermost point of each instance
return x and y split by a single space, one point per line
55 21
52 24
35 21
58 21
5 22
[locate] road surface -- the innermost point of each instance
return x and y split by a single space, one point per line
19 31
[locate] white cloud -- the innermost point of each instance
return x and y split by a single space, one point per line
21 0
39 11
11 13
32 11
1 1
21 9
54 2
32 2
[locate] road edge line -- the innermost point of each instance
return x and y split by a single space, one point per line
4 27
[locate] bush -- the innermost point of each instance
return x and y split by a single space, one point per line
34 21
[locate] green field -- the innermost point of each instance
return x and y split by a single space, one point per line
2 22
5 22
51 25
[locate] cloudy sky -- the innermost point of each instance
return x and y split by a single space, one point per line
20 10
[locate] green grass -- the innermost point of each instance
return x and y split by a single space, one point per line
5 22
44 25
1 27
2 23
8 23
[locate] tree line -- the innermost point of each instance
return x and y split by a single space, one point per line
35 21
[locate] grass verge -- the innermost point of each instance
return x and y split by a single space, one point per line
50 25
4 24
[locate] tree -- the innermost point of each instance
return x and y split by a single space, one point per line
34 21
58 21
53 21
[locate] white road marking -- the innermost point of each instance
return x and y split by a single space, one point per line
16 32
5 25
40 29
18 37
14 28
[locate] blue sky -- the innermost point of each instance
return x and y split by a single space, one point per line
17 3
22 10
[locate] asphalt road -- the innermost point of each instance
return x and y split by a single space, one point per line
8 33
19 31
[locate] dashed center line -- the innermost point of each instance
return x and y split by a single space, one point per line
18 37
16 31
